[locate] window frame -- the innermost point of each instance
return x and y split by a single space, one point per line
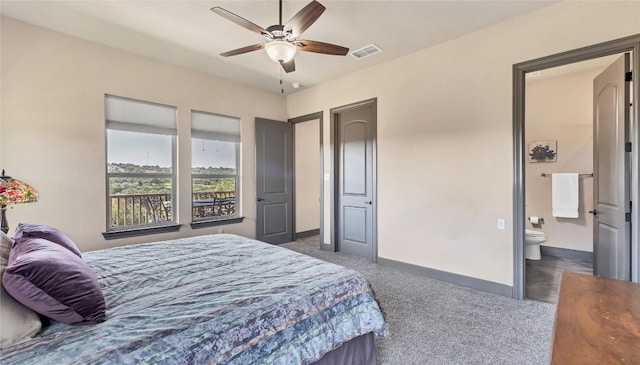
149 228
236 217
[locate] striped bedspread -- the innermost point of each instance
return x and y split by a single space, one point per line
217 299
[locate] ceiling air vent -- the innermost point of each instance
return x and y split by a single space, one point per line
366 51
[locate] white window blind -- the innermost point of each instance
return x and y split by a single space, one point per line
139 116
215 127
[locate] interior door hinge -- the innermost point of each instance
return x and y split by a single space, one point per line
628 77
627 147
627 215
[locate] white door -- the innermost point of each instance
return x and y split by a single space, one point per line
611 171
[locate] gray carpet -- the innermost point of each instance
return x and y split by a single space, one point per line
433 322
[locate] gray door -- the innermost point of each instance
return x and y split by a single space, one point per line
355 208
611 236
274 181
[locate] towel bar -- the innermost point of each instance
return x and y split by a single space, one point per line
580 175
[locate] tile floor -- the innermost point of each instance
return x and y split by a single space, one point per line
543 277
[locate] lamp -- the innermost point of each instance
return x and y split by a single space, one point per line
13 191
281 51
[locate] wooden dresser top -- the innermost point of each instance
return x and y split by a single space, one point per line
597 321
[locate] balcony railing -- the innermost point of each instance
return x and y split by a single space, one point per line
213 204
142 209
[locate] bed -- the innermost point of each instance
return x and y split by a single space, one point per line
216 299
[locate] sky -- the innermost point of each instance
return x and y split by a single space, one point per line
153 149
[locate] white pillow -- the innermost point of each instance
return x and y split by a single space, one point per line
17 322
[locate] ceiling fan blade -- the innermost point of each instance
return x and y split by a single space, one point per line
321 47
289 66
304 18
251 48
239 20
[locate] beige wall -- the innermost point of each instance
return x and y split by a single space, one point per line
53 134
561 109
445 166
307 179
444 130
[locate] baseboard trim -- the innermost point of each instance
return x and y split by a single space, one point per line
310 233
566 253
466 281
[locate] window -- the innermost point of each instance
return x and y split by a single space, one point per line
215 151
141 174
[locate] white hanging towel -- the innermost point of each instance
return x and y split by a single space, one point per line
564 195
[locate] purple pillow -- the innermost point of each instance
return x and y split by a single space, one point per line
54 282
46 232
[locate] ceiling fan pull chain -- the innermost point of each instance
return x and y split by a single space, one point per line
281 85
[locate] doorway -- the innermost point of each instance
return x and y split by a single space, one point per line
559 114
353 209
308 176
626 45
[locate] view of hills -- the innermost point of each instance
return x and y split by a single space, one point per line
149 185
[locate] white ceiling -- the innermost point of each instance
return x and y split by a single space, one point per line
186 33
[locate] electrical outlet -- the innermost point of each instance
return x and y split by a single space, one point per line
220 230
500 223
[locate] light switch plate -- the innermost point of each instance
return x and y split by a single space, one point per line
500 223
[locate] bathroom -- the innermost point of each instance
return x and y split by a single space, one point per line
559 118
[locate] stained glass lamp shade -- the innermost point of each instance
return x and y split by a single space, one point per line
13 191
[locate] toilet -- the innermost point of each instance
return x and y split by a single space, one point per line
532 241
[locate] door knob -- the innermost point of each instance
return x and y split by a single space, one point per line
259 199
593 212
369 202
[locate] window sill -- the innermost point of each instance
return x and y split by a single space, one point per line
217 222
141 231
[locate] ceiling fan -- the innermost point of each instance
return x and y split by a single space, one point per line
282 40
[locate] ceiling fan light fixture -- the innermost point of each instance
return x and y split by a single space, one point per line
280 51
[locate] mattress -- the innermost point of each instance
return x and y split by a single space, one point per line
215 299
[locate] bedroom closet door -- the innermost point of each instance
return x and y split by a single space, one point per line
274 181
355 213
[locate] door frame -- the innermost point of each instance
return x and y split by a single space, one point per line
306 118
335 154
627 44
